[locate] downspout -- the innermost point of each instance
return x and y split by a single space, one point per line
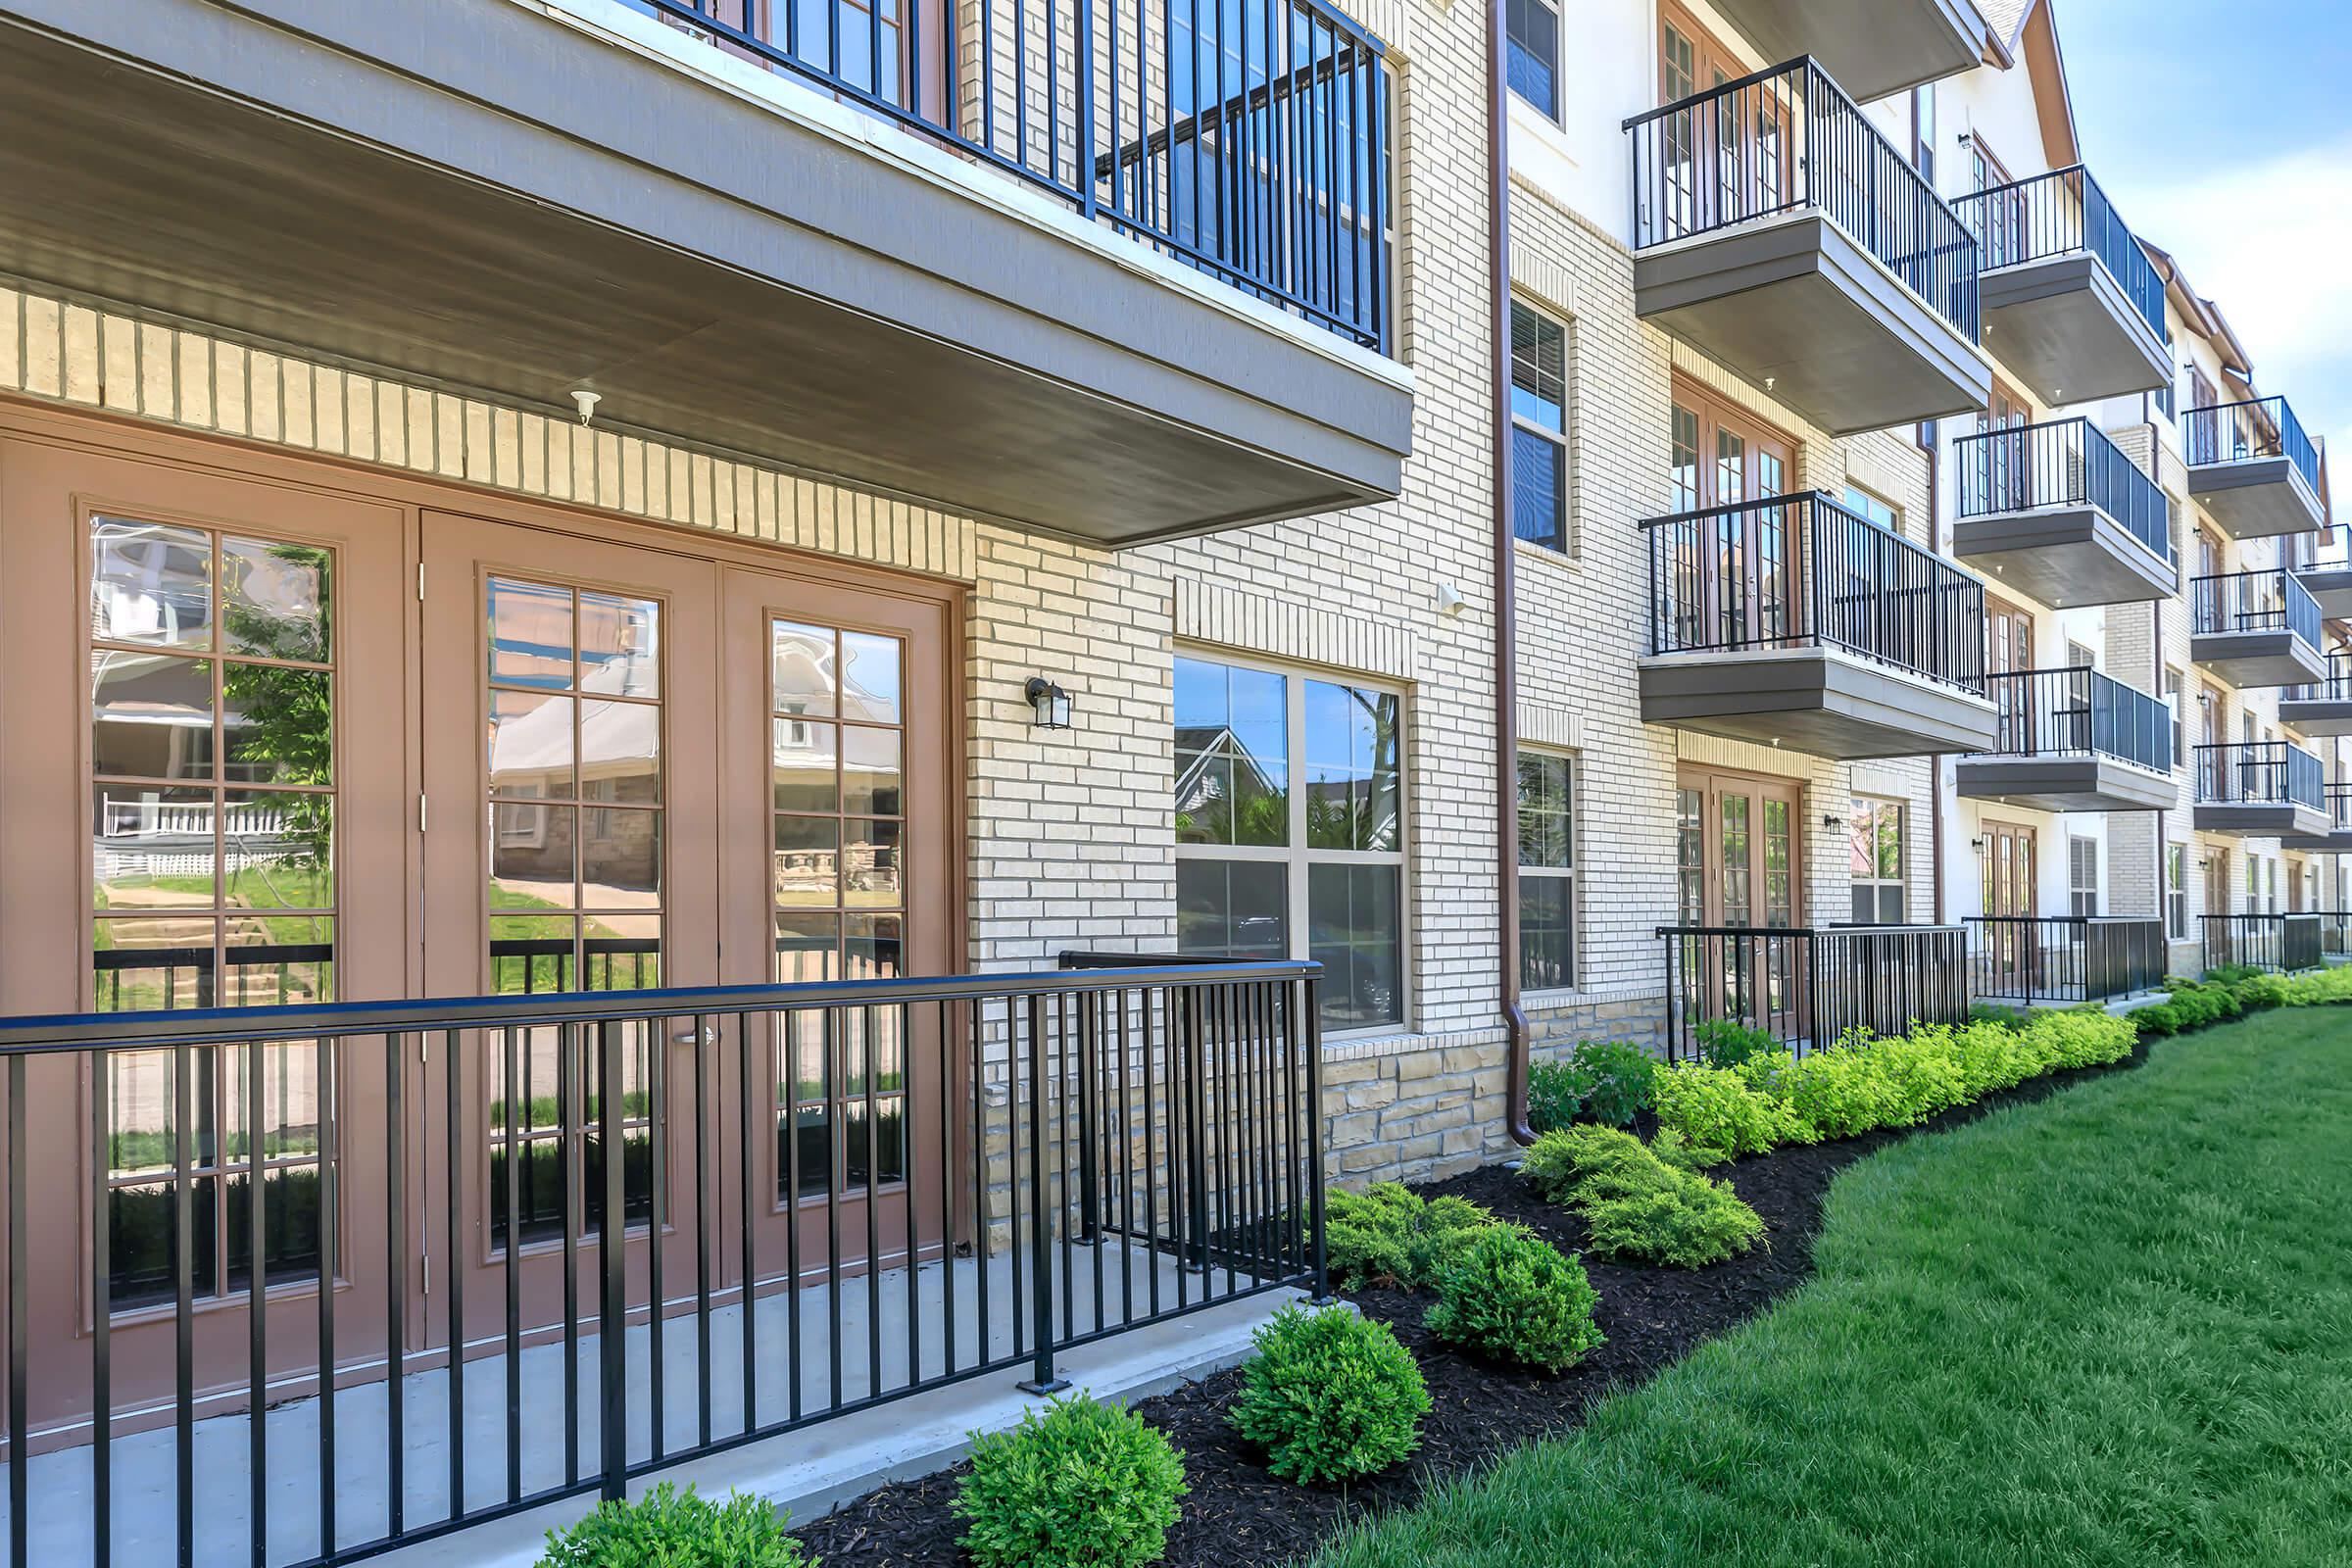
1936 759
1506 610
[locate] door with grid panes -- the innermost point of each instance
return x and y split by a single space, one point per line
1739 860
1736 582
197 667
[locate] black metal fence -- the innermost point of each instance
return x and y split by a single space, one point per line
2065 463
2240 432
827 1196
1808 987
2277 943
2058 213
1789 140
2077 711
1249 139
2335 932
1803 571
2259 773
2336 688
2253 601
2032 960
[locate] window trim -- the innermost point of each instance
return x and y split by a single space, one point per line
1563 538
1571 873
1871 805
1557 114
2175 892
2077 846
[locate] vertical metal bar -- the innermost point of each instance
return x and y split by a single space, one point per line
912 1183
256 1321
1151 1156
747 1231
396 1285
329 1109
516 1155
184 1278
460 1255
947 1192
1041 1377
612 1319
705 1129
1313 1127
789 1070
868 1018
657 1096
102 1312
1125 1135
984 1336
568 1114
1063 1134
1196 1144
20 1334
836 1161
1082 16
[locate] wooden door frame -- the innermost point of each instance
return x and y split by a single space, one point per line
1704 778
1717 415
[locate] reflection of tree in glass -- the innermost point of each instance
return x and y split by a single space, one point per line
286 730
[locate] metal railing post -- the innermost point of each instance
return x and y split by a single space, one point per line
613 1315
1314 1134
1042 1379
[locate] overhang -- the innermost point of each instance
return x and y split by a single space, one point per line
1873 48
2318 717
2258 659
2266 819
2257 498
1816 700
2093 783
2331 587
2066 328
2335 841
2065 555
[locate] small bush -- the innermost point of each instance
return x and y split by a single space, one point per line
2259 993
1331 1395
2083 1039
2013 1018
1555 1095
671 1529
1641 1205
1727 1042
1388 1234
1717 1109
2229 974
2319 987
1514 1298
1082 1485
1620 1075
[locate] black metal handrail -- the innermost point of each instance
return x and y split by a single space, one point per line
1789 140
2337 801
2058 213
1803 571
2065 463
2335 932
2259 773
1808 987
2253 601
2241 432
829 1195
2077 711
2336 688
2030 959
2277 943
1252 144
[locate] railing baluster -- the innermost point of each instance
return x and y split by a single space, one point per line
102 1313
19 1330
257 1316
397 1140
329 1153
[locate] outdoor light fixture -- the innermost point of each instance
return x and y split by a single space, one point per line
1049 703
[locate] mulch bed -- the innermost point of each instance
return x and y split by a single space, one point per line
1239 1516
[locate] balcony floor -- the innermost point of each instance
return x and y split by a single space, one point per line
2258 659
1821 701
144 1463
2065 783
2064 324
2064 555
2256 498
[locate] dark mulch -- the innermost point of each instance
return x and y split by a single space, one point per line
1239 1516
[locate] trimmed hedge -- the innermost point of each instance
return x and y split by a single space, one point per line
1643 1204
1514 1296
1330 1395
2230 992
1389 1234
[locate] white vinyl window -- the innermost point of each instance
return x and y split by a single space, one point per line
1879 867
2175 892
1538 428
1546 870
2082 873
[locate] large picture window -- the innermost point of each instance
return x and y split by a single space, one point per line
1289 803
1546 871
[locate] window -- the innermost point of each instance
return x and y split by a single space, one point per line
1534 43
2172 700
2082 873
1546 871
2175 892
2271 880
1871 510
2079 657
1923 132
1876 831
1538 428
1289 798
2253 884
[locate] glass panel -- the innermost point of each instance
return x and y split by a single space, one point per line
804 766
1546 932
1203 798
143 965
1547 836
1257 740
152 848
890 1116
278 850
1690 857
620 858
871 872
620 646
150 583
1230 908
275 600
808 947
621 952
870 769
1736 870
530 634
143 1241
872 947
532 744
278 724
802 658
532 954
807 862
620 751
275 959
1352 922
151 716
1683 478
869 680
289 1100
289 1226
531 855
1779 898
140 1112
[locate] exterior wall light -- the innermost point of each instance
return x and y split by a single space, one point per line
1049 703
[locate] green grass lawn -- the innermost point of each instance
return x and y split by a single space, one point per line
2111 1328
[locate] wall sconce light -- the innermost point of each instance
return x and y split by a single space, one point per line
1049 704
1832 823
1976 844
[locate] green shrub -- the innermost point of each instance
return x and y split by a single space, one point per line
2319 987
671 1529
1837 1094
2014 1018
1330 1395
2259 993
2197 1004
2083 1039
1718 1109
2229 974
1555 1095
1621 1075
1638 1204
1389 1234
1727 1042
1514 1298
1082 1485
2155 1020
1920 1073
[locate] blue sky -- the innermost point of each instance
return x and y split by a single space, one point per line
2222 133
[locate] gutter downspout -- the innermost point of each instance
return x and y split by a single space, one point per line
1936 760
1506 610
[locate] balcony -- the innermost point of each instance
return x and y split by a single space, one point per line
2072 740
969 264
2071 301
1808 987
2331 583
2325 708
1056 1158
1776 230
1791 621
2258 790
2065 959
1876 48
2338 836
2253 469
2058 511
2255 628
2277 943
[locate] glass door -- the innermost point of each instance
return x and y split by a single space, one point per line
1739 860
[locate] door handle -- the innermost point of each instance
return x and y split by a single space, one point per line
706 1035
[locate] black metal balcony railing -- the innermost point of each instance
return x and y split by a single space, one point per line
2277 943
2337 801
2030 959
2253 601
1808 987
1789 140
1802 570
1251 141
2077 712
2336 688
2335 932
2259 773
2058 213
830 1196
2260 427
2065 463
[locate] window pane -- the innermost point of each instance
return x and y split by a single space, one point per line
143 1244
1546 932
621 859
803 670
871 873
620 646
620 751
1203 797
869 681
1534 49
872 947
273 600
808 947
808 860
869 771
146 965
150 584
1547 832
277 725
1232 908
1538 489
1352 930
274 960
531 746
278 850
530 634
805 774
531 855
1539 368
150 849
289 1226
532 954
150 718
1257 738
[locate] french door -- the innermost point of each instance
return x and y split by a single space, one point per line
1739 861
2009 650
1737 576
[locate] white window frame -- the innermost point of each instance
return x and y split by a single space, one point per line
1563 539
1560 49
1295 856
1574 764
2081 900
2175 892
1868 503
1871 805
